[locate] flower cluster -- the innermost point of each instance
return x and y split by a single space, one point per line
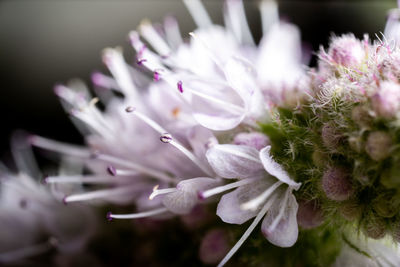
308 153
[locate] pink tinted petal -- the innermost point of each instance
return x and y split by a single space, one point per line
234 161
286 232
215 105
276 170
229 207
241 76
185 198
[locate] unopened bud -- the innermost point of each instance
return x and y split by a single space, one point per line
350 210
347 51
374 227
386 205
254 139
336 183
309 214
378 145
361 117
319 158
386 102
330 136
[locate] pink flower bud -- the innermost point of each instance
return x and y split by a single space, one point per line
347 51
350 210
374 227
330 136
361 117
378 145
309 214
336 183
214 246
254 139
386 205
386 102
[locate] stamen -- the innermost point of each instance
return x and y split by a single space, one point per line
116 64
130 109
157 192
172 32
198 13
269 15
257 201
223 104
89 179
180 87
223 188
166 138
238 21
246 234
104 81
150 34
59 147
281 211
135 167
149 213
34 250
170 140
98 194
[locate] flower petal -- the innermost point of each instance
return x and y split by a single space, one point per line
234 161
273 168
185 197
286 232
229 207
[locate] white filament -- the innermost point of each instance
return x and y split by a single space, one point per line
149 33
249 230
223 188
173 142
157 192
269 15
138 215
257 201
198 13
99 194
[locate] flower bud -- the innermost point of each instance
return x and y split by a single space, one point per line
361 117
254 139
378 145
390 177
214 246
355 143
396 231
330 136
347 51
386 102
386 205
336 183
319 158
309 214
350 210
374 227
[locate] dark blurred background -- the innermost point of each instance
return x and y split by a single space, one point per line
44 42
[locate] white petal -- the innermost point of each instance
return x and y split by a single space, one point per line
215 106
286 232
273 168
185 198
233 161
281 48
229 207
241 76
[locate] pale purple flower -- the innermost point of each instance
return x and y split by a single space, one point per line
264 190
